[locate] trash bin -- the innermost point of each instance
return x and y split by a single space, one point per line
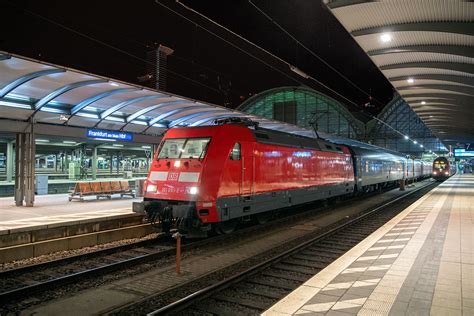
41 184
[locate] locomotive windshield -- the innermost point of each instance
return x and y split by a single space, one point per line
440 164
185 148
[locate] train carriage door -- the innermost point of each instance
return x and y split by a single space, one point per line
247 168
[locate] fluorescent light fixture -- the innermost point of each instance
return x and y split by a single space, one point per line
139 122
15 105
51 110
423 102
410 80
42 140
17 97
385 37
104 139
113 118
406 137
114 84
117 145
415 142
146 147
89 115
299 72
69 142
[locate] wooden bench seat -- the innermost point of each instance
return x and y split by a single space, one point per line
100 189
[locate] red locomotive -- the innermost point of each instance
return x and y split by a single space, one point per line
214 175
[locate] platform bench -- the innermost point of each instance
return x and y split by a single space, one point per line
100 189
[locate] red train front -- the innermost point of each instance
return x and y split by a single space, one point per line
215 176
442 168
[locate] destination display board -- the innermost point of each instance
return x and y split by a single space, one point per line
463 153
97 133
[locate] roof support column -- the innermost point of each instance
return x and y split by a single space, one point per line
94 163
30 159
19 168
25 169
10 155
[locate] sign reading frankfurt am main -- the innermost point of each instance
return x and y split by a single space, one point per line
96 133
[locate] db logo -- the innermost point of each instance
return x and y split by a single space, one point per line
173 176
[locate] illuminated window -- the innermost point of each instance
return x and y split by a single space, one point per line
235 153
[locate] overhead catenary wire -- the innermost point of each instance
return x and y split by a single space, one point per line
264 50
312 52
290 66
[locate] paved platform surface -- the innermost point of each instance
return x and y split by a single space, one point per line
56 208
419 263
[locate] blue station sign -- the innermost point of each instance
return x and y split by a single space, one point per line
97 133
463 153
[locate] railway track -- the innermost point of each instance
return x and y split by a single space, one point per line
22 282
257 288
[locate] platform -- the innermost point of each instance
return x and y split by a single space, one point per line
53 209
419 263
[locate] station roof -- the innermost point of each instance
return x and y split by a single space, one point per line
426 50
39 92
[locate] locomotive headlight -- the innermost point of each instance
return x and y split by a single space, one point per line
151 188
177 163
193 190
434 172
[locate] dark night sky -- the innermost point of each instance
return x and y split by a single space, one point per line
134 27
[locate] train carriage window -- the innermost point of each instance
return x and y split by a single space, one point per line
235 153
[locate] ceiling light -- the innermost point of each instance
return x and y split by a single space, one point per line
423 102
117 145
146 147
415 142
386 37
406 137
410 80
69 142
42 140
421 146
114 84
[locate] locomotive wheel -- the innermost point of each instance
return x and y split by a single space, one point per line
226 227
264 217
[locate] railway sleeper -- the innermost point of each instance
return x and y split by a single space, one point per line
213 309
254 304
322 251
262 292
335 245
293 277
275 284
305 263
299 269
321 258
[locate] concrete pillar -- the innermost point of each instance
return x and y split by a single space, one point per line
111 163
10 155
30 154
94 163
19 168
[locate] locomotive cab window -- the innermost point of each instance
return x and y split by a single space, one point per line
235 152
185 148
